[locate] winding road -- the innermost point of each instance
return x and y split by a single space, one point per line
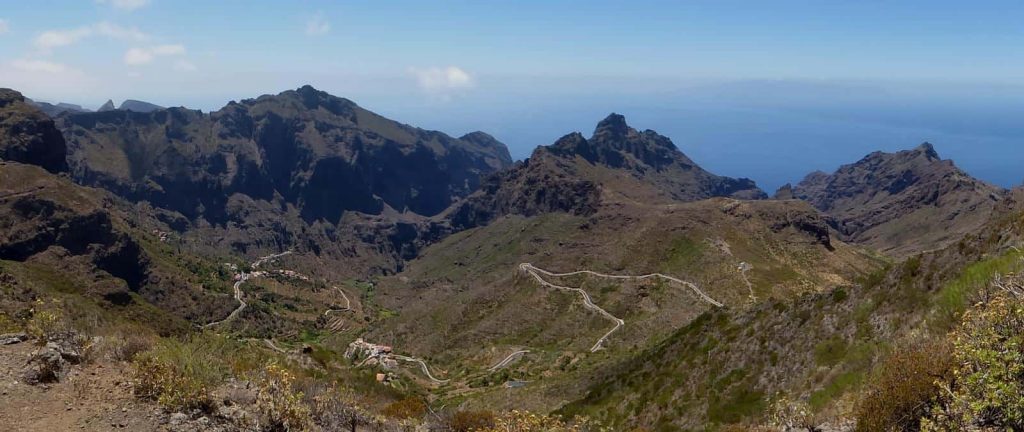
507 360
588 302
423 365
242 277
348 303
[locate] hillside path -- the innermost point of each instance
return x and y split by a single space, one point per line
588 302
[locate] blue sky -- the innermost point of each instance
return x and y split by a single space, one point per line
768 90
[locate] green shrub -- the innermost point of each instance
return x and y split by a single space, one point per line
181 374
987 386
830 352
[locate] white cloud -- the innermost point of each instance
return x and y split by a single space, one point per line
51 39
117 32
317 25
184 66
4 27
168 50
137 56
442 80
141 56
31 65
44 79
128 5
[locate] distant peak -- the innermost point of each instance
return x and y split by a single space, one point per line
109 106
928 150
614 125
307 89
478 136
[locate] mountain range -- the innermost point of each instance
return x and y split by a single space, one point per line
609 275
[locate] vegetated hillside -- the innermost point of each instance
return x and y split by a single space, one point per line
27 135
465 303
730 366
901 203
574 174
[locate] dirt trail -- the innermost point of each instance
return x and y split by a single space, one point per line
21 193
744 268
589 303
92 397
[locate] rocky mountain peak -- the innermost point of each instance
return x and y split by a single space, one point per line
485 140
108 106
901 202
139 106
927 150
8 97
28 135
613 127
295 147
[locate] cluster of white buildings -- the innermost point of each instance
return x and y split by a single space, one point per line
371 354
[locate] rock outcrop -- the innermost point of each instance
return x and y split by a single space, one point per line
27 135
139 106
575 175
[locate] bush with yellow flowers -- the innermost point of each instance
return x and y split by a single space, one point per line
524 421
280 402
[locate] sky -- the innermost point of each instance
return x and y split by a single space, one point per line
766 90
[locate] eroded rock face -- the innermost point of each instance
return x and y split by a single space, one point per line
27 135
304 148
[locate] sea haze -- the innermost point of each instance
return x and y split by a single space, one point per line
774 132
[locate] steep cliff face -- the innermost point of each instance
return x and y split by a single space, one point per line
901 203
303 148
28 135
69 232
575 175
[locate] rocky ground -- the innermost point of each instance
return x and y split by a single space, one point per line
90 396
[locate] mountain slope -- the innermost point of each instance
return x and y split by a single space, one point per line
321 154
55 110
27 135
620 203
901 203
138 106
730 366
617 163
295 146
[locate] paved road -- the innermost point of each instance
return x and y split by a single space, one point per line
423 365
348 303
589 303
508 360
242 278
